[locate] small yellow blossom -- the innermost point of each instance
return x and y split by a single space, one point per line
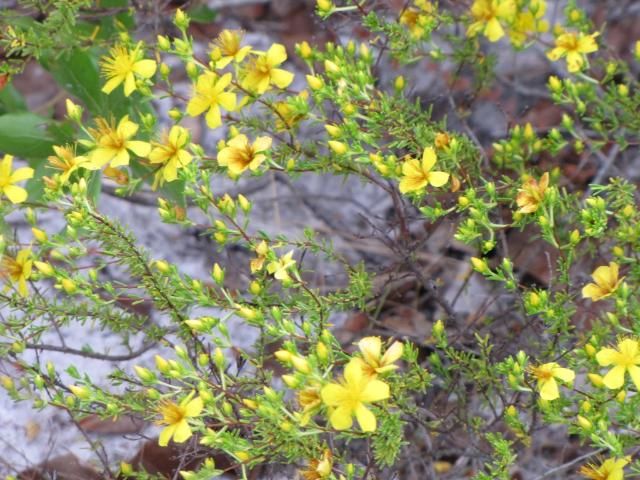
416 174
309 399
574 46
278 268
262 71
610 469
66 161
175 417
117 175
489 17
18 269
348 398
261 250
209 95
112 144
606 282
319 468
373 362
124 65
8 180
625 359
226 48
416 17
532 193
529 22
171 154
239 154
546 375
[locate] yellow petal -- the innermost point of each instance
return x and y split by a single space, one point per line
333 394
20 174
628 347
166 435
366 419
375 391
575 61
371 348
141 149
555 54
281 78
261 144
121 158
214 119
438 179
353 374
112 84
182 432
615 377
197 105
194 407
564 374
634 372
412 168
411 184
593 291
393 353
227 100
428 159
145 68
15 194
341 418
607 356
178 136
549 389
129 84
494 31
276 54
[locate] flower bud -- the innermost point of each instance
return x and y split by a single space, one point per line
80 391
584 423
218 274
74 112
69 286
479 265
144 374
339 148
44 268
300 364
596 380
399 83
181 19
304 50
315 82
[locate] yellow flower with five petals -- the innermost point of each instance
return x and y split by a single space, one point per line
373 362
123 65
625 358
226 48
350 396
112 144
239 154
209 95
18 269
490 17
575 47
175 415
418 174
66 161
532 193
606 282
262 71
171 155
546 375
8 180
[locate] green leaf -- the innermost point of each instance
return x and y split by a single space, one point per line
35 186
11 100
25 134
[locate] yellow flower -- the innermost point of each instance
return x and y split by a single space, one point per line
319 468
416 175
226 48
532 193
175 417
416 18
112 144
124 65
625 359
17 270
489 15
239 155
209 95
606 282
257 263
8 180
278 268
373 362
348 398
610 469
309 399
171 154
546 375
262 72
66 161
574 46
529 22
